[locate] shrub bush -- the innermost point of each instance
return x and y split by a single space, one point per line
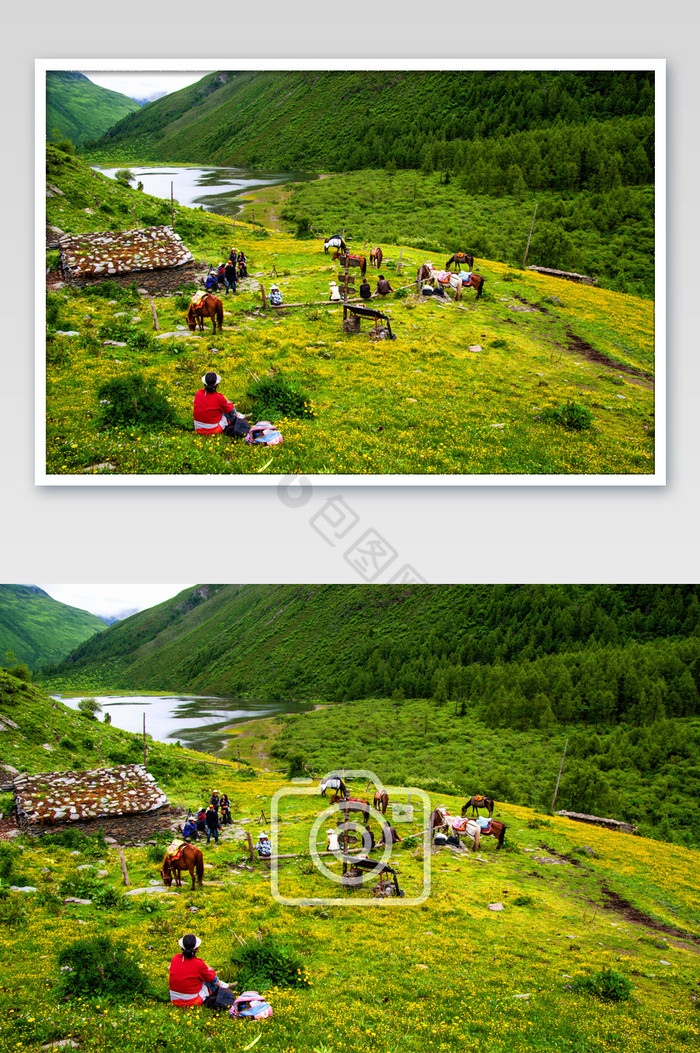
606 984
262 963
278 397
571 416
131 399
97 966
296 767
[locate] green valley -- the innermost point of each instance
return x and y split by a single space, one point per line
39 630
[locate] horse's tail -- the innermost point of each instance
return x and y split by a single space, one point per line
479 291
363 266
501 836
220 314
199 863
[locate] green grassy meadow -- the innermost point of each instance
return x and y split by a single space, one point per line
465 389
444 974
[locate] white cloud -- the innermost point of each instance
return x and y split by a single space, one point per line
111 600
143 84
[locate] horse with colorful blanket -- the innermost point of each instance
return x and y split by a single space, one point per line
442 821
462 280
351 261
186 857
207 307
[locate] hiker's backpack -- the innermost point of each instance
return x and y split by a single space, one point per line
250 1004
265 434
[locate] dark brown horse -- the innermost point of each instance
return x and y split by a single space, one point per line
352 804
496 829
462 259
477 802
381 801
208 307
352 261
375 257
188 858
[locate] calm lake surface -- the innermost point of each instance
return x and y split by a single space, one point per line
197 721
215 188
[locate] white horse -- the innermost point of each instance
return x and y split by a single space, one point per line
454 824
335 242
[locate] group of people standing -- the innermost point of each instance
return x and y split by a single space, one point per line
229 273
209 819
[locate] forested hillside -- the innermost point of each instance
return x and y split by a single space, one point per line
498 130
519 655
77 109
39 630
457 688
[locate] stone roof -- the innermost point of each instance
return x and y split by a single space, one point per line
123 251
68 796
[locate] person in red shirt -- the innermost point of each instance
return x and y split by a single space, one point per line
190 980
212 411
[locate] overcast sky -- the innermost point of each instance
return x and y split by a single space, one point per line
144 84
110 600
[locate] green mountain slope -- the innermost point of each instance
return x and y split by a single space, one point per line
82 110
539 128
564 649
38 629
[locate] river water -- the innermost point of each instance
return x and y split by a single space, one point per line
196 721
217 189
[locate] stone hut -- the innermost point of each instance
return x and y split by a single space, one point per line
108 253
124 802
596 820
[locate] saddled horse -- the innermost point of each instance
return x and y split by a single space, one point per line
462 259
352 261
477 802
375 257
352 804
208 307
335 242
428 273
333 782
188 858
381 801
441 820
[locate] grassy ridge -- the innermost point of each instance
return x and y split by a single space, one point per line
81 110
38 629
476 382
403 981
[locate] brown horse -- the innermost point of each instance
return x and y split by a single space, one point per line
208 307
427 273
352 261
381 801
352 804
188 858
477 802
462 259
375 257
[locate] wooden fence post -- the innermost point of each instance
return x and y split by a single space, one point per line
250 846
153 312
145 755
264 298
398 265
528 246
556 791
125 872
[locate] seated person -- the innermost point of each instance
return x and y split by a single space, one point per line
211 284
365 290
201 820
383 286
335 296
190 979
264 846
389 836
189 830
275 296
212 411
